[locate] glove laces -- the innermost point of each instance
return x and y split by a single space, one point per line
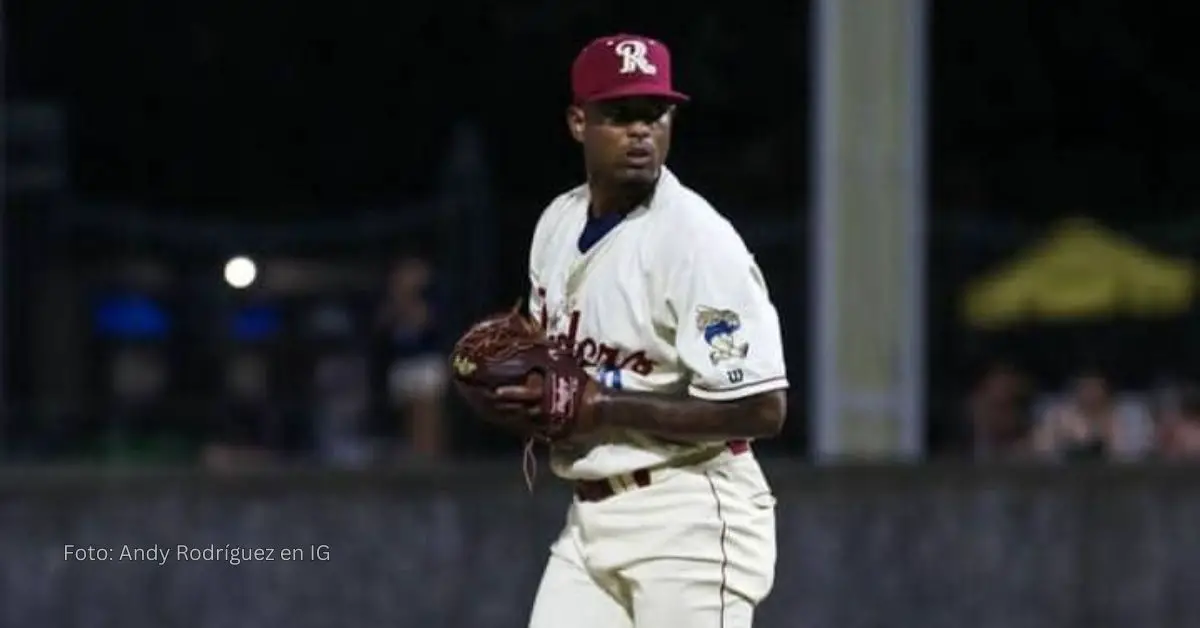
529 463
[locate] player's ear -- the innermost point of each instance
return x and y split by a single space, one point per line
576 120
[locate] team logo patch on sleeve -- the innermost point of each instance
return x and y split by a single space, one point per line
720 328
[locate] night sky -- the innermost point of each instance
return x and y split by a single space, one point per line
219 104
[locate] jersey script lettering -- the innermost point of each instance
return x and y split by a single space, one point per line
592 352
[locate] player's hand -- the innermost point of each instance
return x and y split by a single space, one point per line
524 398
484 403
528 399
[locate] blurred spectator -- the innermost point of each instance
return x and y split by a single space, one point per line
141 427
1179 428
1090 423
998 414
247 430
1167 395
416 368
341 387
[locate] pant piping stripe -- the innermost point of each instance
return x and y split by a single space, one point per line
724 550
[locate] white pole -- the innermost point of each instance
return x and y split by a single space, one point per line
825 60
5 415
867 236
915 209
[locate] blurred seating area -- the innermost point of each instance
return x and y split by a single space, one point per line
300 361
1078 345
165 335
382 216
1072 342
144 336
1005 418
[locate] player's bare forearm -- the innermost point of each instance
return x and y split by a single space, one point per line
691 419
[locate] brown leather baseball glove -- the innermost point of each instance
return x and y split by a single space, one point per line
510 350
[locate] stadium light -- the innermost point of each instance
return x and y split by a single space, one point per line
240 272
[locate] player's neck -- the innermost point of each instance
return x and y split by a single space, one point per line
617 199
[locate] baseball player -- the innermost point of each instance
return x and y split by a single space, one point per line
657 296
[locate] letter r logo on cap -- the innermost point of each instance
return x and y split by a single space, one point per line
633 57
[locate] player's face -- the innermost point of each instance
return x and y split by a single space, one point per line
624 140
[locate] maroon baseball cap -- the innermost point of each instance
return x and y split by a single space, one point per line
620 66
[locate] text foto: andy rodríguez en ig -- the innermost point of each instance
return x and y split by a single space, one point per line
161 554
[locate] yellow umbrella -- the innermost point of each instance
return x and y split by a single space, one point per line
1081 270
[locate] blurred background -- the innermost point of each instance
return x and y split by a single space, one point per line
238 239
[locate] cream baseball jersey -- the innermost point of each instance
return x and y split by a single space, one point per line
670 300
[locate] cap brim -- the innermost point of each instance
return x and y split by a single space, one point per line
635 91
